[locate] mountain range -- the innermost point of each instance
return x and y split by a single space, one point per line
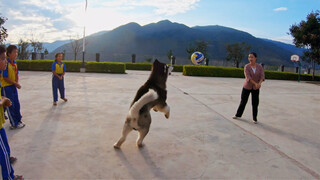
156 39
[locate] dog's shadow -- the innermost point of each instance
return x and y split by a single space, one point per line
131 169
148 160
153 167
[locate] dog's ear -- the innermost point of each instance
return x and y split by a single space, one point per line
156 61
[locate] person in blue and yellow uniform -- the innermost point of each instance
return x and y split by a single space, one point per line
10 83
7 171
58 71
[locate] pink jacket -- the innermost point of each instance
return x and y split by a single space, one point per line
248 73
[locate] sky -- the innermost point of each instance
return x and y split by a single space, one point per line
51 20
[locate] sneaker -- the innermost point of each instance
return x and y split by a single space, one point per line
65 99
13 127
20 125
235 117
254 121
54 103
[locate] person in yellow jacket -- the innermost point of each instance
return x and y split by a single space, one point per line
5 159
10 84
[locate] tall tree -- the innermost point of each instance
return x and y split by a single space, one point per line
36 44
23 52
3 31
306 34
237 52
76 46
199 46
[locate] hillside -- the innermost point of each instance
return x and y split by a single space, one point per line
156 39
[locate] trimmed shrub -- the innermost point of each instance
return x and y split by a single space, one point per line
35 65
72 66
139 66
177 68
105 67
192 70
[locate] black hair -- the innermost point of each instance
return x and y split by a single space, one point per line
254 54
2 49
10 49
57 54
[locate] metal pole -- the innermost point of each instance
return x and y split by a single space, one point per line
84 36
299 70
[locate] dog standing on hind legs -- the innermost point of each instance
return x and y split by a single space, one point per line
151 95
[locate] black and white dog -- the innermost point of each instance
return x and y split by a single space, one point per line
152 94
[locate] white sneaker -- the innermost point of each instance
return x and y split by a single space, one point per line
235 117
20 125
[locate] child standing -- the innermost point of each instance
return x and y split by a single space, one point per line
10 83
6 168
58 70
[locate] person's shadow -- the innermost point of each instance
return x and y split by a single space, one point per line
288 135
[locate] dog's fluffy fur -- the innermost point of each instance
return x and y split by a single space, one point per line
152 94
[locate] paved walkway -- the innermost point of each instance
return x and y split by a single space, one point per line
74 140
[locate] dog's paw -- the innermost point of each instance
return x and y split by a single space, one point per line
167 115
116 146
140 145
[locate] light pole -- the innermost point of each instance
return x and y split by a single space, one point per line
83 68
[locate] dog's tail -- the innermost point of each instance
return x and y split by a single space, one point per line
151 95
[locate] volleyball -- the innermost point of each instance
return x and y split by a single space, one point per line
197 58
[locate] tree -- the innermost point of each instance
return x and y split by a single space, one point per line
237 52
36 45
306 34
199 46
3 31
23 51
76 46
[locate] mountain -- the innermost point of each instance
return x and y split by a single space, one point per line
156 39
54 45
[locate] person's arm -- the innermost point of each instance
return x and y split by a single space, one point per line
55 74
12 82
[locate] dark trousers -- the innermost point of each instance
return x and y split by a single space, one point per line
57 84
6 168
13 111
244 99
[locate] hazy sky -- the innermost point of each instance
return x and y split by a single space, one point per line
50 20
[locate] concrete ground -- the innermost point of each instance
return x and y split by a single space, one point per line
74 140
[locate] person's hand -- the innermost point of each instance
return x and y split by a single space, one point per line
60 77
6 102
258 85
18 85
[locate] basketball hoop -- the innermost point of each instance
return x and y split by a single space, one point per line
294 58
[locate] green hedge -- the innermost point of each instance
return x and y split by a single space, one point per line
139 66
105 67
191 70
72 66
177 68
35 65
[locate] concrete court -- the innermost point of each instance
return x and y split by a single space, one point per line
74 140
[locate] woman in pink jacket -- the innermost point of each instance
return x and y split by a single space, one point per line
254 75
